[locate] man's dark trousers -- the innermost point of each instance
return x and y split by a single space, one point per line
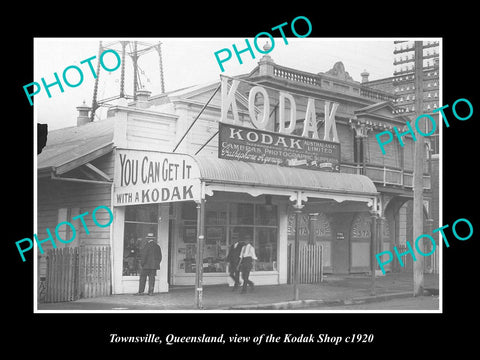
233 258
151 256
151 280
245 267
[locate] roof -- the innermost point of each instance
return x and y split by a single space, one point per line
71 147
237 172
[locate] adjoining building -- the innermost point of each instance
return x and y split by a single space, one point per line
402 85
153 168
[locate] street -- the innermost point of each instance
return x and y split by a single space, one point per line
413 303
409 303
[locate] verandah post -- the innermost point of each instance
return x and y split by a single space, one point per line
199 266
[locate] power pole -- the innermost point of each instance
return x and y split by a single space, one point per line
135 70
418 283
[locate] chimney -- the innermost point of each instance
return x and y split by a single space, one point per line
364 76
142 98
83 118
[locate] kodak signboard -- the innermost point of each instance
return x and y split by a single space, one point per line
281 148
143 177
252 145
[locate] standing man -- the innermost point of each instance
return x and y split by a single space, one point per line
233 259
151 256
247 257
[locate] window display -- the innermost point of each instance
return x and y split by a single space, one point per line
266 249
224 224
139 221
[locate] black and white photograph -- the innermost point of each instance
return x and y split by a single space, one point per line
311 165
300 180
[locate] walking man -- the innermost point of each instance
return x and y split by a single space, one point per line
151 256
233 259
247 257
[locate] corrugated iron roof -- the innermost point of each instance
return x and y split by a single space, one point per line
77 145
69 144
238 172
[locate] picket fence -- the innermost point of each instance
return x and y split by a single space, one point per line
74 273
311 263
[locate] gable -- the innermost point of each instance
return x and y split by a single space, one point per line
380 111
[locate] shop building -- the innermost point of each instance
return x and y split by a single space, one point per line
159 173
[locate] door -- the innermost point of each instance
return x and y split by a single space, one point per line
360 240
340 242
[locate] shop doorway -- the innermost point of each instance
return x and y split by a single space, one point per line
341 243
340 254
360 242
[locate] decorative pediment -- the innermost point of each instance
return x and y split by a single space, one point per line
378 116
339 72
380 109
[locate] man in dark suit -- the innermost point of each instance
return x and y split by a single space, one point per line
151 256
233 259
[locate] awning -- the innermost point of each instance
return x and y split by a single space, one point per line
228 175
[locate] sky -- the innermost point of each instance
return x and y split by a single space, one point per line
186 62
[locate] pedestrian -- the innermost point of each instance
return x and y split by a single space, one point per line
233 259
150 258
247 257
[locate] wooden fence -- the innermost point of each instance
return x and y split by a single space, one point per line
62 275
74 273
311 263
97 272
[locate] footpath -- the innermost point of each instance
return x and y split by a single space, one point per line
334 290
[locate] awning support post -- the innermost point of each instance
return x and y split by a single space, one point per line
298 210
373 246
375 214
199 255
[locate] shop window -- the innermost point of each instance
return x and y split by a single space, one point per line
216 214
142 213
189 211
226 223
215 249
241 214
241 233
266 215
266 249
140 220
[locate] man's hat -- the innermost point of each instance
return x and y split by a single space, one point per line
150 235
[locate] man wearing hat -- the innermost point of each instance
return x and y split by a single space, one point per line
151 256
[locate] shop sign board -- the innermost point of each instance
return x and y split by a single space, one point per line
264 147
259 145
148 177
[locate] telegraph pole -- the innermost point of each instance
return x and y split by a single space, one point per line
418 282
